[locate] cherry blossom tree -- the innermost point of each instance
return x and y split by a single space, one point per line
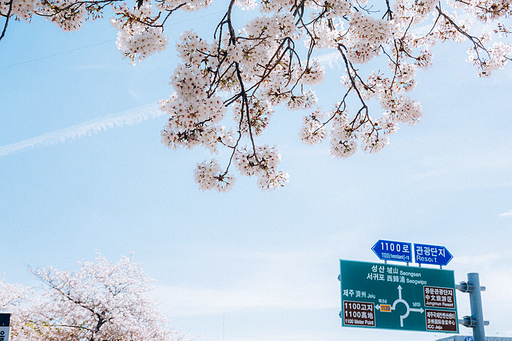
100 301
272 61
14 298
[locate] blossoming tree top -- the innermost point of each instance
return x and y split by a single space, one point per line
270 62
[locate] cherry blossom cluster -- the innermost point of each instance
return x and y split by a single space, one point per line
497 56
485 10
69 15
262 164
246 4
313 129
194 116
135 39
12 295
413 12
259 115
272 61
22 9
260 68
209 176
189 5
343 137
195 110
100 301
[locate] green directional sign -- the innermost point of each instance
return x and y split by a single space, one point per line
376 295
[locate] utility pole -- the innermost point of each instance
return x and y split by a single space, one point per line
476 320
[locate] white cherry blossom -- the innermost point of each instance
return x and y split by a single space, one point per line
228 85
100 301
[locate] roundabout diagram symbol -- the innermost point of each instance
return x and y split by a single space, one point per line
401 300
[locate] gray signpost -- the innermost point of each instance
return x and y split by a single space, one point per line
388 296
476 320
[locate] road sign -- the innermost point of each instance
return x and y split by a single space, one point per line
391 250
4 326
388 296
5 319
432 254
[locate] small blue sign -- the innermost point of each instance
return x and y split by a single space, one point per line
432 254
391 250
468 338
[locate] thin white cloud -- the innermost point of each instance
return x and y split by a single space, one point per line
278 281
506 214
269 293
482 260
130 117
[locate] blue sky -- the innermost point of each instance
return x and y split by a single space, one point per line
82 171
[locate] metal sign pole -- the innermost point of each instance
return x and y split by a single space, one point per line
476 320
475 301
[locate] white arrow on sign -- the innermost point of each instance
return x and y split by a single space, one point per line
401 300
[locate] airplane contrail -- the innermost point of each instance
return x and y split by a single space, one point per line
130 117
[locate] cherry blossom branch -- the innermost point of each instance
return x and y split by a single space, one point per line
7 17
477 43
150 21
348 68
90 5
256 67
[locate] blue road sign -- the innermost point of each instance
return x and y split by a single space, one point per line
432 254
391 250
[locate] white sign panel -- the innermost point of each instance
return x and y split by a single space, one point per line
4 333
